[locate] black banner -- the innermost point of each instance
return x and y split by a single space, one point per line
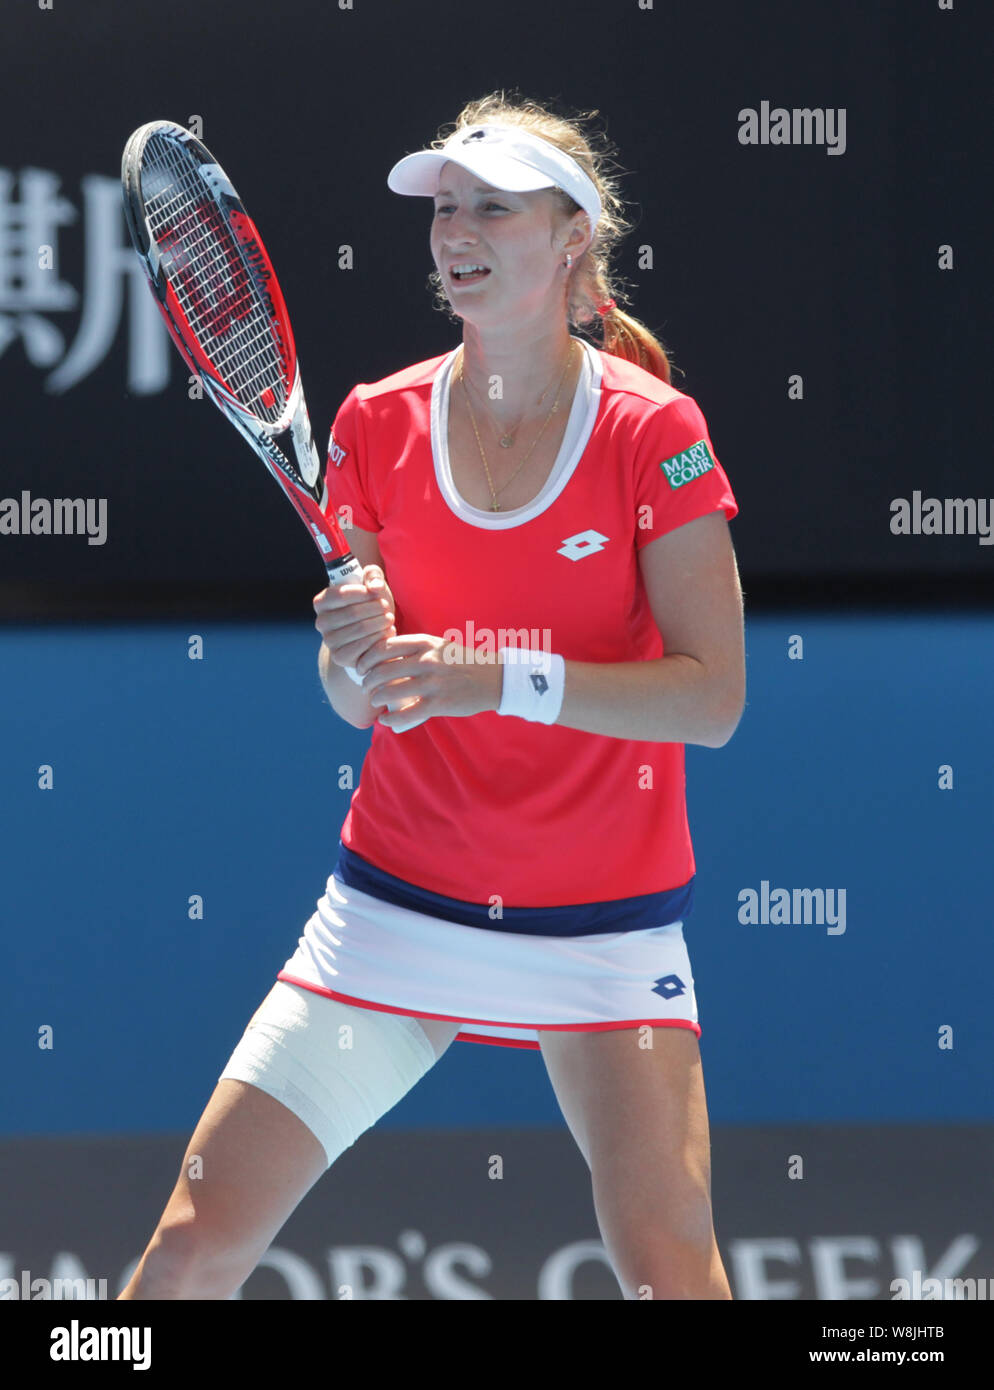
802 182
895 1214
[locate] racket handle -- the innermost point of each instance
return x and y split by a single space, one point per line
346 570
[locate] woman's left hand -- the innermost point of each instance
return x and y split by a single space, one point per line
416 676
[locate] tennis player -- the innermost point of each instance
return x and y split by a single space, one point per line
550 611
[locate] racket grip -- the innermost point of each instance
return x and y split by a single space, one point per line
346 570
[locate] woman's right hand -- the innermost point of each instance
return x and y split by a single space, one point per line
352 618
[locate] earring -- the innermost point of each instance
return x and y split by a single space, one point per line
569 260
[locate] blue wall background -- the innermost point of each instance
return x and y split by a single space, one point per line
219 777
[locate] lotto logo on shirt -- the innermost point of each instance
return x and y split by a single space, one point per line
684 468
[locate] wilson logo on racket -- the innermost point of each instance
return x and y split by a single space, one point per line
227 298
258 264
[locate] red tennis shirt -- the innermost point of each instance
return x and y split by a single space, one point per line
492 807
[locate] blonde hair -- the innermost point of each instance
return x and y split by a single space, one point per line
591 282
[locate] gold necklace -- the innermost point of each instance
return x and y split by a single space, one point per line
495 505
507 436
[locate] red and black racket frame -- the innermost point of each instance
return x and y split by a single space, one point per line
309 500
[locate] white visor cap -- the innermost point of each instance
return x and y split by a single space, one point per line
504 156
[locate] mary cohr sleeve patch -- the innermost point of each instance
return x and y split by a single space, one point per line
679 475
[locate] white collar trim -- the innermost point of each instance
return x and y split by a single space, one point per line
582 417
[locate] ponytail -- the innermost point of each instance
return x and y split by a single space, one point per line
629 339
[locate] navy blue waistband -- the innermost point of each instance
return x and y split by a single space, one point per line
576 919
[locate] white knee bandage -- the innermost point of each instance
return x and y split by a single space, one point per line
336 1066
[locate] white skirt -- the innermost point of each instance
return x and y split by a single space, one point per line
503 986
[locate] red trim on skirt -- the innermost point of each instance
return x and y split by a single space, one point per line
495 1022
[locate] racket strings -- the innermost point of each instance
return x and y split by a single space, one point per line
216 291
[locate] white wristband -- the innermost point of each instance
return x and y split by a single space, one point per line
532 684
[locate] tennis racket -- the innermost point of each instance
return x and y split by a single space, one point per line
219 295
